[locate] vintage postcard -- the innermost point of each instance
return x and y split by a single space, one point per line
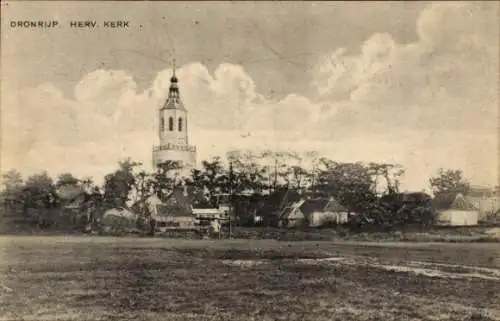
253 160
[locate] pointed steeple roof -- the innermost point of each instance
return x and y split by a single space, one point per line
174 99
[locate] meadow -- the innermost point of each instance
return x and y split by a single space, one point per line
104 278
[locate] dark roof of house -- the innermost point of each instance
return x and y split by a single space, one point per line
174 211
280 198
443 201
461 203
334 206
69 192
310 206
286 212
321 205
175 204
203 205
448 201
72 197
314 205
289 208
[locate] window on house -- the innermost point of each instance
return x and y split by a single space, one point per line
180 124
170 123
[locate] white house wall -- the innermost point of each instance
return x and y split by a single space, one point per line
321 218
458 218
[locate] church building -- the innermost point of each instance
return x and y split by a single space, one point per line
173 133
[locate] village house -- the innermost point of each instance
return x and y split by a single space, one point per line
313 213
455 210
485 200
119 219
174 211
77 204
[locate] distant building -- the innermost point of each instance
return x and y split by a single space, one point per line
455 210
313 213
76 203
174 211
485 200
173 133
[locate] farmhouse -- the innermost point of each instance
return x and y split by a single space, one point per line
485 200
119 219
78 205
175 211
313 213
455 210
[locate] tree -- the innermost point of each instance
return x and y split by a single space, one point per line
89 185
39 198
398 209
314 158
350 183
12 180
300 177
66 179
165 179
279 173
118 185
214 177
40 190
245 172
12 191
450 181
389 173
196 181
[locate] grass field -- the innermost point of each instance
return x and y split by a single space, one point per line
84 278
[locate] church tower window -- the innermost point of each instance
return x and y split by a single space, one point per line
170 123
162 124
180 124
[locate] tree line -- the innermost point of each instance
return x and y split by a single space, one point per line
372 190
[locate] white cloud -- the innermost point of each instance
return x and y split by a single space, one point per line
105 85
426 104
441 81
442 91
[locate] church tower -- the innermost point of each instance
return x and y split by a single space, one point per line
173 132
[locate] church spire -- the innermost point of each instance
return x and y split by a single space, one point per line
174 89
174 98
173 71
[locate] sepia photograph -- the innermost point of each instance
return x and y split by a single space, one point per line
250 160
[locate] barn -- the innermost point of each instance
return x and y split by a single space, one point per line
173 212
459 212
313 213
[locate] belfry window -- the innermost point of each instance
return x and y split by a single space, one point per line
180 124
170 123
162 124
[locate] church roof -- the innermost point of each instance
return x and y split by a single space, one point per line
173 103
174 99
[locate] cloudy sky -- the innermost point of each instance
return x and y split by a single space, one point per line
413 83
